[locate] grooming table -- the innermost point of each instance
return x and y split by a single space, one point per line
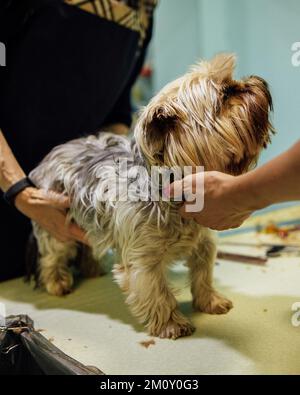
94 326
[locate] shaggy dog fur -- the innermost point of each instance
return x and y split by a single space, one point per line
206 118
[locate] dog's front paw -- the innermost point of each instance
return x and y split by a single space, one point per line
213 303
173 330
177 326
60 285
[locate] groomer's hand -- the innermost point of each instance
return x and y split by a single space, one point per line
48 209
225 205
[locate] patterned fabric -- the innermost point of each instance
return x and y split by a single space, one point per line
132 14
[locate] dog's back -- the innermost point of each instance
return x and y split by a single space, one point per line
83 157
84 169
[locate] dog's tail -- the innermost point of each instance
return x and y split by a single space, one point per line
31 260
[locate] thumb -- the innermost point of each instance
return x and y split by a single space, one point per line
78 233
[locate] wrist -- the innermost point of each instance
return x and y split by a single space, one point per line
250 193
9 178
11 194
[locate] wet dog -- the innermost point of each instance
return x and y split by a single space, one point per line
206 118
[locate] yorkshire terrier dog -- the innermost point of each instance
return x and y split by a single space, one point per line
206 118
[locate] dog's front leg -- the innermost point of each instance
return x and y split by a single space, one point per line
150 299
201 265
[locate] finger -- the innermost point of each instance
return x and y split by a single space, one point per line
222 228
174 190
55 199
78 234
62 239
59 236
46 198
58 200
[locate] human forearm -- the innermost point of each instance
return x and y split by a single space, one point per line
48 209
229 201
277 181
10 170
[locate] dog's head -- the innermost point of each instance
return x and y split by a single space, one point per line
206 118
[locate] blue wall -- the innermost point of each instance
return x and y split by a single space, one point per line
260 32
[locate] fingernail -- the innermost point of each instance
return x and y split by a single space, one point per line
166 192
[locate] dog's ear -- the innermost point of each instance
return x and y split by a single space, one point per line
259 87
162 121
249 103
220 69
158 127
257 102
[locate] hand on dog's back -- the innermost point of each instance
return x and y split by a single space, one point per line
49 210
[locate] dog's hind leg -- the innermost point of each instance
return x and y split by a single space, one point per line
54 272
201 265
90 263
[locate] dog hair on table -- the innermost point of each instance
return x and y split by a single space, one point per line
206 118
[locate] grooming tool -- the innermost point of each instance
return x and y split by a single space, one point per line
258 245
242 258
273 250
276 251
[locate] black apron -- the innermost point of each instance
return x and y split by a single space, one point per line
68 73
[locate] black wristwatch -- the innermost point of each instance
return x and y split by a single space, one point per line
11 194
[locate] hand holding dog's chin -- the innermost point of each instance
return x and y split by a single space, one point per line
48 210
227 202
